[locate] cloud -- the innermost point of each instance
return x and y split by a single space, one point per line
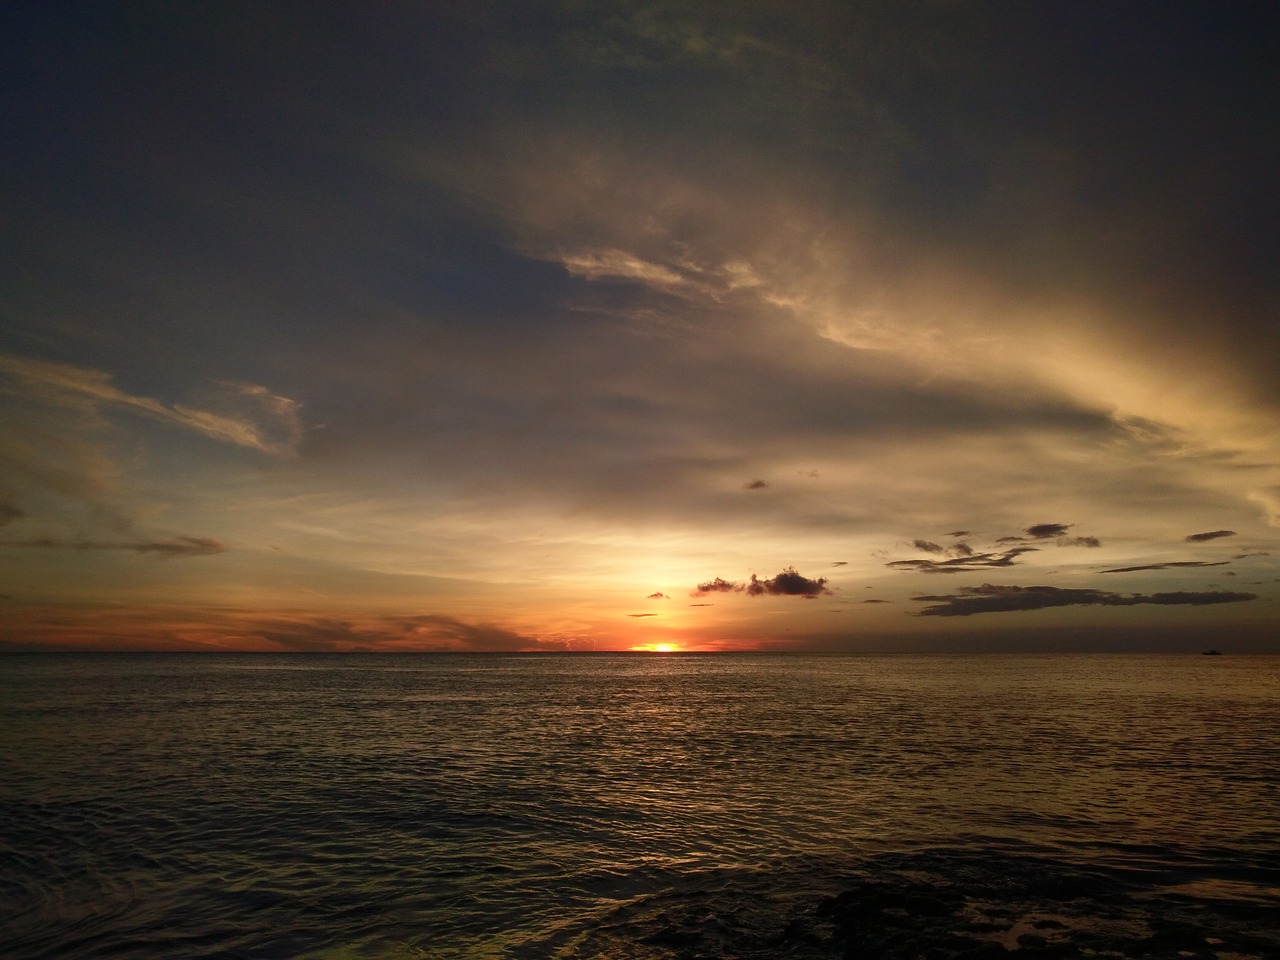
445 632
756 485
840 563
928 546
657 596
990 598
637 616
718 585
1090 542
972 561
877 601
1211 535
1043 531
1170 565
702 604
788 583
621 265
957 533
177 547
250 416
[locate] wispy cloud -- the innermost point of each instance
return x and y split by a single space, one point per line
252 417
1169 565
177 547
962 564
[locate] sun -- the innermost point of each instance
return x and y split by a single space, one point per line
657 648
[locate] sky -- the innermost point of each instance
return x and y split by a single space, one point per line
481 326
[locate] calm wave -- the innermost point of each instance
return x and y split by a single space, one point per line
639 806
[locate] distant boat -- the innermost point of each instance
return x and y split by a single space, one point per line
1213 653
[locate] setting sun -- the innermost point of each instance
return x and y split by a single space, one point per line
657 648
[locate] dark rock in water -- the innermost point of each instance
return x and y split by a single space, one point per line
934 907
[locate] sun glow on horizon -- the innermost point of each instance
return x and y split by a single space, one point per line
657 648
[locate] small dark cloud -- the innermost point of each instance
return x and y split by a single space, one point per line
1210 535
718 585
756 485
928 546
991 598
961 550
972 561
702 604
657 596
637 616
788 583
178 547
1171 565
1043 531
840 563
877 601
1079 542
957 533
10 513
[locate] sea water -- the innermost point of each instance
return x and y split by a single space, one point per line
639 806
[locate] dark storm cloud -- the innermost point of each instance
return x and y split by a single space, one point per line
788 583
1170 565
928 546
990 598
178 547
962 564
1211 535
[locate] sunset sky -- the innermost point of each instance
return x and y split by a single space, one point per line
605 325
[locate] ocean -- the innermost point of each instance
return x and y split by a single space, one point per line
642 806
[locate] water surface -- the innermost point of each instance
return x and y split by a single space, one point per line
645 806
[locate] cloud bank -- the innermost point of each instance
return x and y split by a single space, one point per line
991 598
